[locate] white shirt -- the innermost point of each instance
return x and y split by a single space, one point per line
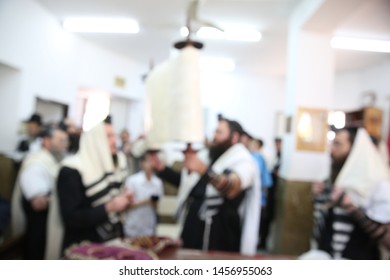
142 220
35 180
37 176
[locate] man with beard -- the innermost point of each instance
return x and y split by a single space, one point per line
89 187
33 192
218 195
347 223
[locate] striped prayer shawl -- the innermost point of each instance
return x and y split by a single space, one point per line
341 226
320 213
103 191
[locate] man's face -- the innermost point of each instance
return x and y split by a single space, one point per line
222 141
146 165
341 146
111 138
245 140
222 133
254 145
33 129
59 142
125 137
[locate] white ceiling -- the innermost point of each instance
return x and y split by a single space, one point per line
160 22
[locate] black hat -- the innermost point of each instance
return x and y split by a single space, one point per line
108 120
35 118
235 127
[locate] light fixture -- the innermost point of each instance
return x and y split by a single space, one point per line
331 135
337 119
210 33
360 44
233 34
101 25
305 127
184 31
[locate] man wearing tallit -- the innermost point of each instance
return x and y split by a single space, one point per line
218 195
89 190
352 209
33 194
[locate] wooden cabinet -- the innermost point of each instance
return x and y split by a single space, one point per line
370 118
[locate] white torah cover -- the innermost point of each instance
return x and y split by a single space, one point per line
173 93
363 170
159 84
186 113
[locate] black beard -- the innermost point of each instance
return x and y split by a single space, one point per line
337 165
216 150
115 160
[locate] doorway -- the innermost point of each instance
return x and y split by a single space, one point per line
9 102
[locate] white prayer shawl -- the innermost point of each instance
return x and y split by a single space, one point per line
363 170
92 161
45 159
238 160
55 229
94 158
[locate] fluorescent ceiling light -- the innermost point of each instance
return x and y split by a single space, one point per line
210 33
184 31
358 44
101 25
217 64
234 34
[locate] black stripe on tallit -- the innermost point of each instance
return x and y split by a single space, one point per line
343 232
105 191
99 180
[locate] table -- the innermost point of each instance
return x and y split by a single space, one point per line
191 254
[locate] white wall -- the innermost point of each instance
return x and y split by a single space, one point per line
350 86
58 65
253 100
55 64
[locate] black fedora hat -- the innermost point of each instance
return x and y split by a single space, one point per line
35 118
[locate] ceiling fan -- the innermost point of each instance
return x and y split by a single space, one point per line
194 22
